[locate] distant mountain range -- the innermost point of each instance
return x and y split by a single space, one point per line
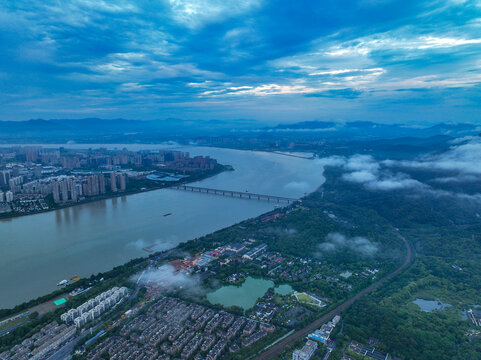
97 130
372 130
101 130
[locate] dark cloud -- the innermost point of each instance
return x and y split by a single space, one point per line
272 60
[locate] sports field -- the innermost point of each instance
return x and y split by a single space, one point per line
308 299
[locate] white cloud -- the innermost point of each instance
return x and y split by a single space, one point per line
138 68
464 158
362 176
298 186
339 242
348 51
433 81
263 90
374 179
112 7
371 63
428 42
196 13
362 162
398 182
364 169
200 84
138 244
346 71
157 245
335 161
134 86
457 179
167 278
395 40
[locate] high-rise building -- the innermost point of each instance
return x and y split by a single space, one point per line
73 190
31 153
96 184
64 190
92 185
56 192
89 188
102 183
69 162
9 196
123 182
79 189
306 352
85 189
4 177
50 157
113 182
37 171
15 181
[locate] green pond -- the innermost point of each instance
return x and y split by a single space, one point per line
284 290
430 305
246 295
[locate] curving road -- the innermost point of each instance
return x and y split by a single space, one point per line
277 349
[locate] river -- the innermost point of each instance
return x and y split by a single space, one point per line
37 251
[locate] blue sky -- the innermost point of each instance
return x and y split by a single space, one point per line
276 61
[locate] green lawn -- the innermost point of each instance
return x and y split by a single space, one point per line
13 323
308 299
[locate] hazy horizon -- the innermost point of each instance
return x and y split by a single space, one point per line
254 123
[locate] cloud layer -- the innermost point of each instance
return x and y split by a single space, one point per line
274 61
460 164
374 175
339 242
464 159
167 278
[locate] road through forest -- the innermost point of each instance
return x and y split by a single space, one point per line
277 348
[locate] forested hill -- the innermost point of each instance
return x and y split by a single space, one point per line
445 232
235 133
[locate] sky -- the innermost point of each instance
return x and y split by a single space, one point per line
415 62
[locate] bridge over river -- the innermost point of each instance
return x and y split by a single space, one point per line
238 194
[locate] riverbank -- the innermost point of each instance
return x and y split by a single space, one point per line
190 179
220 258
94 237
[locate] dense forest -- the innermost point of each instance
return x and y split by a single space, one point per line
446 235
